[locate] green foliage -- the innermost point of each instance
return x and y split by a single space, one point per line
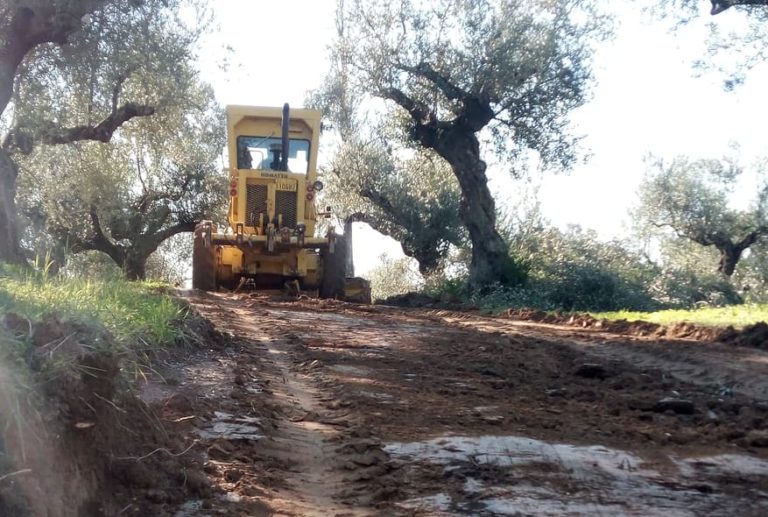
451 70
378 177
440 286
563 270
732 52
693 200
528 60
751 278
393 277
124 52
735 315
575 270
137 314
687 276
158 176
91 264
409 195
171 262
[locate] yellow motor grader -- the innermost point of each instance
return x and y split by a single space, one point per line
270 241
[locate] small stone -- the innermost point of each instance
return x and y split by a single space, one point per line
678 406
757 438
591 371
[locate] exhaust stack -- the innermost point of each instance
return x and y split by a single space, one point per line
286 142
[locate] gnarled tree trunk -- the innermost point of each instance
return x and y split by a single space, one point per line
456 141
491 262
10 250
135 266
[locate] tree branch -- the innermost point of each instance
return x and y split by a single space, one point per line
180 227
98 241
101 132
425 70
30 26
718 6
22 140
418 110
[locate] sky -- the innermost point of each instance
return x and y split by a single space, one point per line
646 99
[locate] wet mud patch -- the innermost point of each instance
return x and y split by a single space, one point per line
510 475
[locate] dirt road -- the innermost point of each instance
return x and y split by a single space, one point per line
323 408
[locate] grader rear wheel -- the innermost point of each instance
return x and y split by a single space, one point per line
203 263
334 270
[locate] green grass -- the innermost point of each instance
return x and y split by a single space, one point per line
735 315
137 314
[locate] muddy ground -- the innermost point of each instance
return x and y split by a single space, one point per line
321 408
325 408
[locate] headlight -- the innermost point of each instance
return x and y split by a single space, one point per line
317 186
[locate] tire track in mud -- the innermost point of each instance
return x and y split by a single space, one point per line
319 460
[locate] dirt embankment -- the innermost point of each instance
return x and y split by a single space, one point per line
75 440
755 335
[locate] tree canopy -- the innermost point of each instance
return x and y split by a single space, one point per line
413 199
692 199
731 51
77 70
514 68
157 178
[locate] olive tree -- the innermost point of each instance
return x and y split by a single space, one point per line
515 69
412 198
157 179
378 177
114 59
715 6
730 51
691 199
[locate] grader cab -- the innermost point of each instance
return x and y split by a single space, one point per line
269 241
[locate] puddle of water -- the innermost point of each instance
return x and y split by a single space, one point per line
576 480
231 427
513 450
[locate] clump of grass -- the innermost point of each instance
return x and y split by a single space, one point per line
133 312
734 315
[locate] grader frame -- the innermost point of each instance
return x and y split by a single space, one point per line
269 240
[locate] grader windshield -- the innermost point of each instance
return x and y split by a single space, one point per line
263 153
